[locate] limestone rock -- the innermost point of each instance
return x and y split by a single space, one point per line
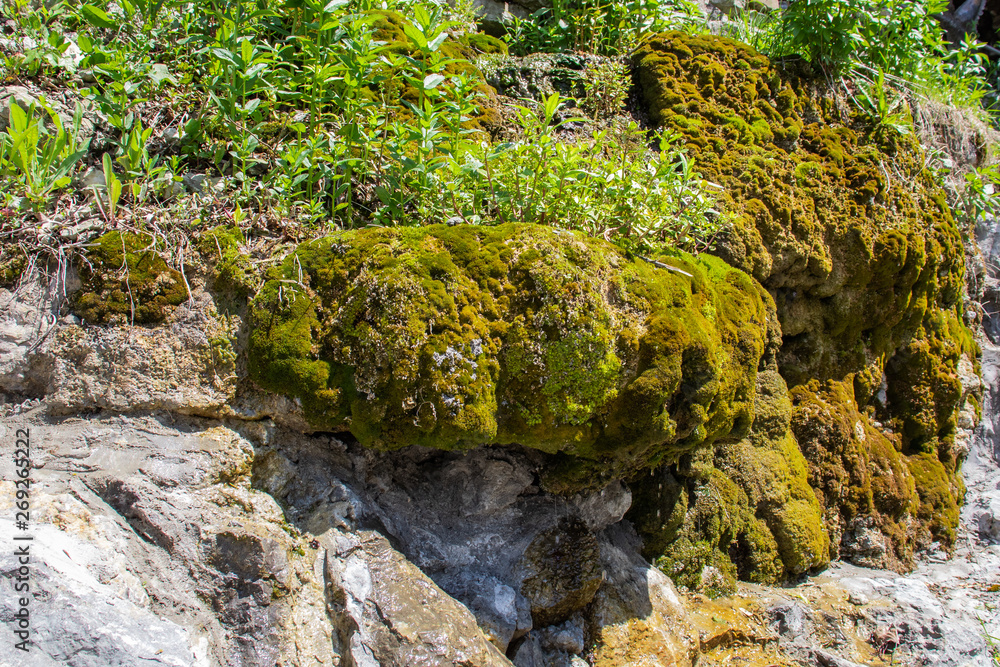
561 572
390 614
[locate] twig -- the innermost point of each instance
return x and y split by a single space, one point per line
661 265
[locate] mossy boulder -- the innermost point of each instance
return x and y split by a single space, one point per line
126 281
841 222
454 337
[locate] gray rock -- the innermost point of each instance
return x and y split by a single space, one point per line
986 516
388 613
203 183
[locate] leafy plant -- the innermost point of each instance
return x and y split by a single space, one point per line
605 27
886 109
606 84
112 188
38 158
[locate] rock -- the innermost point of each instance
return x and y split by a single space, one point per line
64 107
561 572
14 95
567 637
501 612
492 15
637 616
514 384
203 183
388 612
151 543
81 619
825 659
986 515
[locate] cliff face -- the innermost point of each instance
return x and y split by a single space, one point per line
416 446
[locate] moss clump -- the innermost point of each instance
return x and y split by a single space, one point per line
452 337
126 281
13 261
744 508
842 223
232 273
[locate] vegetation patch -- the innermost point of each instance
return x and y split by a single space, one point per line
452 337
837 216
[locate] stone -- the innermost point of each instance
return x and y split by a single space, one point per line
561 572
388 612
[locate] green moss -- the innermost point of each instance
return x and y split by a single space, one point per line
759 486
224 249
939 491
13 261
126 281
855 241
453 337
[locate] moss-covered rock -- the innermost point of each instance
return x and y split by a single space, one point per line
125 281
841 222
745 509
224 249
452 337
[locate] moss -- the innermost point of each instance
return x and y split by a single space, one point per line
126 281
849 232
232 273
772 524
940 490
13 261
452 337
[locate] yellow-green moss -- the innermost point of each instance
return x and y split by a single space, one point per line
845 227
232 273
772 523
125 281
453 337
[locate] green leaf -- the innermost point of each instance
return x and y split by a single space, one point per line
432 81
551 105
437 41
108 171
417 37
97 17
159 73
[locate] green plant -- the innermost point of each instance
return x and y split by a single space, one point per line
610 186
606 84
39 158
977 197
606 27
112 188
885 109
